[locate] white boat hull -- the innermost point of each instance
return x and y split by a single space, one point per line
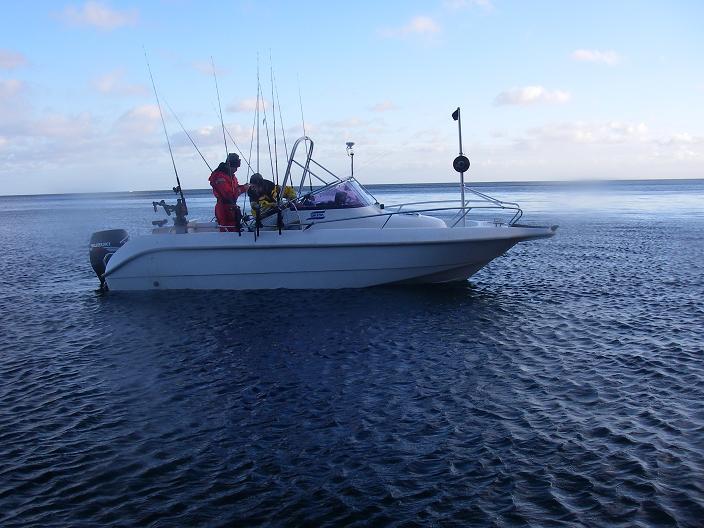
310 259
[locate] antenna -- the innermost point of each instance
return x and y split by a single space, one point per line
222 122
166 134
350 153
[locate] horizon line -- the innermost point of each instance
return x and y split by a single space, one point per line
504 182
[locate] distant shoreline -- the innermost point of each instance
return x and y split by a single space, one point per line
380 186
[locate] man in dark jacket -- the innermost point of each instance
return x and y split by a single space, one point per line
227 189
263 194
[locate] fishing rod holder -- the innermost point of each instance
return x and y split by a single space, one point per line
179 209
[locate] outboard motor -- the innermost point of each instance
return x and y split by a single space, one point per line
102 245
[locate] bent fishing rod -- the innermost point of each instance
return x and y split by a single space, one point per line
227 130
188 135
166 134
217 90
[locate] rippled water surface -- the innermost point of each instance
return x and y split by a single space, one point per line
562 385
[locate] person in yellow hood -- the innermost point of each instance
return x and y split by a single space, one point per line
263 194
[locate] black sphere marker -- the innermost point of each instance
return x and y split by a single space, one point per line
461 163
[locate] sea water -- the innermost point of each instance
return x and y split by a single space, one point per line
562 385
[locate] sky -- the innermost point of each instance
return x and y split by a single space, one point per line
549 90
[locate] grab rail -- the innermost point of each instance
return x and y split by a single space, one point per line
398 209
306 166
466 205
394 213
469 204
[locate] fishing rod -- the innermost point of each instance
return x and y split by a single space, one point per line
251 141
281 120
189 136
300 102
268 140
244 205
259 89
227 130
166 134
303 122
279 194
237 147
222 122
273 113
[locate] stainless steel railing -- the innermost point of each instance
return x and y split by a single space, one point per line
476 201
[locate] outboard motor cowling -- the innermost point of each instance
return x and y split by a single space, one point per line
102 246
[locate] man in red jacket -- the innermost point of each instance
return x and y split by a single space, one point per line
227 189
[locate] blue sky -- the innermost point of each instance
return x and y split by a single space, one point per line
549 90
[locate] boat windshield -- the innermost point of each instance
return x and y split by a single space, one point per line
344 195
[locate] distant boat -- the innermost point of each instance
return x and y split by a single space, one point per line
335 235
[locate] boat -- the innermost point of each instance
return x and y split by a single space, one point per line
334 234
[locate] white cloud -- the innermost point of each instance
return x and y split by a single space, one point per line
211 135
66 127
99 16
208 133
9 60
10 88
32 138
143 119
681 146
206 68
460 4
351 122
25 126
15 107
114 83
528 95
383 106
418 25
296 131
682 138
248 105
583 132
610 58
591 150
